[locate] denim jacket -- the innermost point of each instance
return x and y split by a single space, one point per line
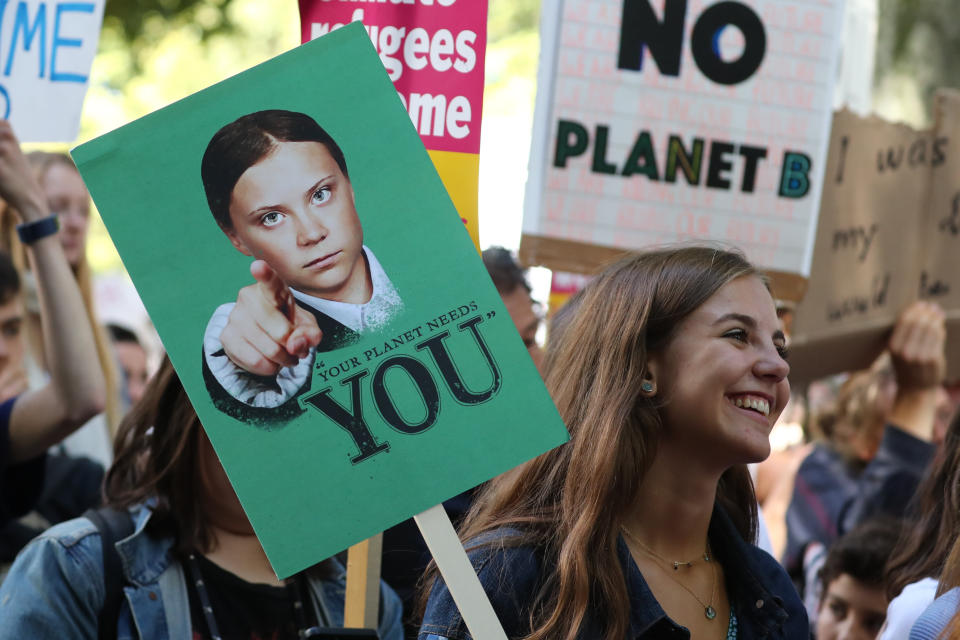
55 588
765 602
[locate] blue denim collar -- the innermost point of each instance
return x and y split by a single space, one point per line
144 557
755 607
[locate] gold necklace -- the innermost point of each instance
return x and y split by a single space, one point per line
675 563
708 611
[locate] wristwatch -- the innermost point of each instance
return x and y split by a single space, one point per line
30 232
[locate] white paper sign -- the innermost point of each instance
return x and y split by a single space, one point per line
665 120
46 50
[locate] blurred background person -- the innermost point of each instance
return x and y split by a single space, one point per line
914 568
853 599
32 420
514 290
878 448
75 469
132 357
68 199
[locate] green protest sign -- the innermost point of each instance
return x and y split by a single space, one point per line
370 370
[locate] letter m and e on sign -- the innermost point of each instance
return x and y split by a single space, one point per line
46 51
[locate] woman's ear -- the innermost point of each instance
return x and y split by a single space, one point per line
236 241
648 385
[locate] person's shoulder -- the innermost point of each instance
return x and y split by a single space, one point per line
765 565
71 533
69 551
511 574
921 591
56 584
773 577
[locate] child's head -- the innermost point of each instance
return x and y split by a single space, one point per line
277 184
853 603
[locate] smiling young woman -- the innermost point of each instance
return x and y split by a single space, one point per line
669 374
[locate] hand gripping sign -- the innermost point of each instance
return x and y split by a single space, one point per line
434 52
392 377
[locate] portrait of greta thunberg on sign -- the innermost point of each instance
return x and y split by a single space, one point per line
319 298
278 186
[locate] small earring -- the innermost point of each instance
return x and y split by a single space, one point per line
646 386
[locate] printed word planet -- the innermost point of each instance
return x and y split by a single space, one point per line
347 412
573 139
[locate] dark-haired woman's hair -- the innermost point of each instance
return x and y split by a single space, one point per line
934 516
246 141
570 501
504 270
157 455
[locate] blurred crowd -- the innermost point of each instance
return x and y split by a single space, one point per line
667 515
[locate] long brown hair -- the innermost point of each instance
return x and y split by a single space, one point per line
41 162
157 456
935 514
571 500
950 579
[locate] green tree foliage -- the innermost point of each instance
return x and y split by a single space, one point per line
918 46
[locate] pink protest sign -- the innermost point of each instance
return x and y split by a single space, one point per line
433 51
666 120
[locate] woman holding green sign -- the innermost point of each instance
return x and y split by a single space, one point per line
669 374
177 548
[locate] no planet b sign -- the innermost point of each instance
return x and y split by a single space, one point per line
666 120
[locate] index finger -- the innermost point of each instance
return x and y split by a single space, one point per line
273 288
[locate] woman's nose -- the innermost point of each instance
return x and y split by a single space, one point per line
771 364
310 229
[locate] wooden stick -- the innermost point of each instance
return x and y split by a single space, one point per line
458 573
362 598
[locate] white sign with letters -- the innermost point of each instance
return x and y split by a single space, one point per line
665 120
46 50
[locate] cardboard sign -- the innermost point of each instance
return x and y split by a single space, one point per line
434 52
420 387
888 235
659 121
46 49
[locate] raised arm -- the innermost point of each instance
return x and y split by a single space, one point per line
76 390
917 348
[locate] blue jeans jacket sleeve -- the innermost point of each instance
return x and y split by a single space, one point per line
54 589
391 618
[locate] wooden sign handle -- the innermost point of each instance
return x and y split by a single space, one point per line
458 573
362 598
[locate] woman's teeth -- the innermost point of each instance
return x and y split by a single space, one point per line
757 404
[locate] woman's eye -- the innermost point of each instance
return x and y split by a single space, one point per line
271 219
737 334
784 351
321 195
